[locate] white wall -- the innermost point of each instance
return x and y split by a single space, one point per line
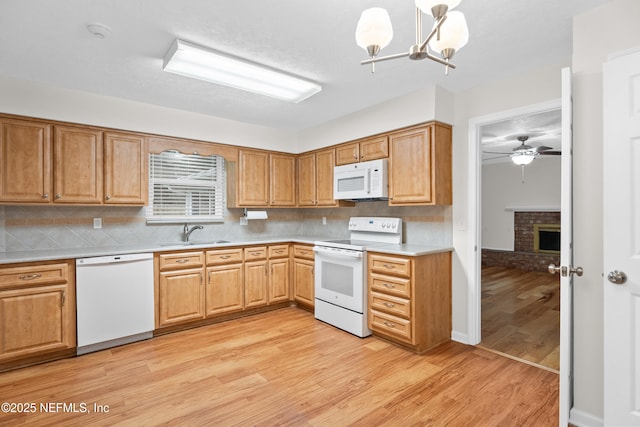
417 107
502 188
32 99
610 28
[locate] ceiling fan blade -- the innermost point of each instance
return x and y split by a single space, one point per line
496 152
551 153
542 148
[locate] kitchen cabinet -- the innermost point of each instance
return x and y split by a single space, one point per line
255 276
372 148
266 179
25 161
279 267
225 281
282 182
410 299
180 290
420 166
303 275
126 169
315 179
37 312
77 165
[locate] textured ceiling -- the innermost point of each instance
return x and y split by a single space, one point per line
48 42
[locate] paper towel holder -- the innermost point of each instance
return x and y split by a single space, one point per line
255 214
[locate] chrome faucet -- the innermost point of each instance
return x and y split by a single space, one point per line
187 232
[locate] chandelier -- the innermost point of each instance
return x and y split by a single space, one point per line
448 35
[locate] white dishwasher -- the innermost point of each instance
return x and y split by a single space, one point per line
115 303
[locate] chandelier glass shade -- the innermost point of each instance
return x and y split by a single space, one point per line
523 158
448 35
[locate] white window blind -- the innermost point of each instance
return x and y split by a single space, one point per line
186 187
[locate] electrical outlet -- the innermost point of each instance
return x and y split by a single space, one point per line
243 221
324 220
97 223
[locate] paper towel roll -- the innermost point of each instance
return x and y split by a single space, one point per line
256 214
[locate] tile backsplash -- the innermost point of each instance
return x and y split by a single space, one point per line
24 228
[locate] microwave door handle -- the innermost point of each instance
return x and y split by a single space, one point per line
368 181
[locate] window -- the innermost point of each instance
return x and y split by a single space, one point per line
186 187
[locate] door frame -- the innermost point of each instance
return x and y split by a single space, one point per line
474 219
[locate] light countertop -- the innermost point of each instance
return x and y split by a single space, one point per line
68 253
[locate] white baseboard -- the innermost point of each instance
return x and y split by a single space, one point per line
583 419
460 337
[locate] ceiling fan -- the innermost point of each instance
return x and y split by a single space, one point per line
524 153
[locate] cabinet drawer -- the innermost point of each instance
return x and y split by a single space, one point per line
390 304
33 275
390 265
391 325
390 285
303 251
224 256
279 251
258 252
181 260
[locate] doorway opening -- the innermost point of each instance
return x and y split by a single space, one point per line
519 220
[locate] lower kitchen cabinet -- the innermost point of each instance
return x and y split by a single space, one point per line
255 283
279 271
181 296
303 275
37 312
180 291
410 299
225 289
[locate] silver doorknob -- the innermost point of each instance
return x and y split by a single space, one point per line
617 277
565 271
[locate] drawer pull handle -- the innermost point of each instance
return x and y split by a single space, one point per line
279 251
30 276
389 324
389 285
303 252
389 305
389 266
225 256
255 253
182 261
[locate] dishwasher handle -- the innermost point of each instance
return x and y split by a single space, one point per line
114 259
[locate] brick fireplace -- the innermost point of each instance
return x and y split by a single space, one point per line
531 230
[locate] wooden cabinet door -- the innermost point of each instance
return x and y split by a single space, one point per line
253 178
279 280
25 161
77 165
225 285
181 296
36 320
283 180
126 165
374 148
410 168
325 162
307 180
303 282
255 284
346 154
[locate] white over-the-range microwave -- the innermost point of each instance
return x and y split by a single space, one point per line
361 181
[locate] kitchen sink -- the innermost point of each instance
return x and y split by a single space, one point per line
215 242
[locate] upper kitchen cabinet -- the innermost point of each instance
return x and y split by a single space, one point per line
282 186
420 166
77 160
315 179
266 179
25 161
375 147
126 176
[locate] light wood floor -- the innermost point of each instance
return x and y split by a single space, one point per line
285 368
521 314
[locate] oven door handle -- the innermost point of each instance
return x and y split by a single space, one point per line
322 251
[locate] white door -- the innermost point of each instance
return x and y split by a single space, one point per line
566 251
621 240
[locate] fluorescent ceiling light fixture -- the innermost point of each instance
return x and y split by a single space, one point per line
187 59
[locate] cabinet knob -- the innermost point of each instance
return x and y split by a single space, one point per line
58 196
45 196
108 197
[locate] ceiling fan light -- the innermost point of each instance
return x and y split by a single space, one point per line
522 159
427 5
374 29
454 33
